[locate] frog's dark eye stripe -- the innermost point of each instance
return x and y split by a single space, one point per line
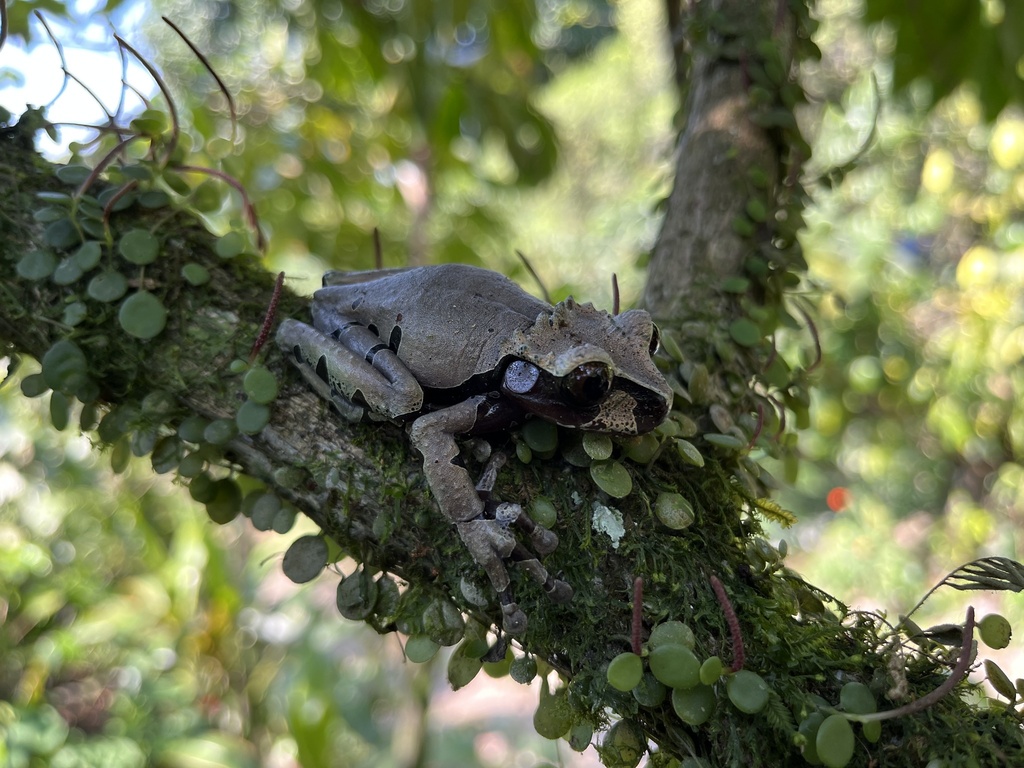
372 351
336 333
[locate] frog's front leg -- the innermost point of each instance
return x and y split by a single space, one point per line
348 365
484 528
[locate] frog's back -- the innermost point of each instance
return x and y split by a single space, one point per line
446 322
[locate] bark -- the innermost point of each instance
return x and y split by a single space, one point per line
698 248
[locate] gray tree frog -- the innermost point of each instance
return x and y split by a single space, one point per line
454 350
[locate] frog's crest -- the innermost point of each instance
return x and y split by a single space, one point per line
570 334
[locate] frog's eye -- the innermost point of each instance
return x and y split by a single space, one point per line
588 384
655 339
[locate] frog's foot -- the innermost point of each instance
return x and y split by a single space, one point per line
543 541
491 543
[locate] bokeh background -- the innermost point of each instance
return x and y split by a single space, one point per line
133 631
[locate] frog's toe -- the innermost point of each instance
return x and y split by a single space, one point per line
544 541
513 619
557 590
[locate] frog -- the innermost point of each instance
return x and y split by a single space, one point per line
458 352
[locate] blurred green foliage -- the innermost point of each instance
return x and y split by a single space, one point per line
918 403
945 43
399 116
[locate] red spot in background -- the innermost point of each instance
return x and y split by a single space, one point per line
838 499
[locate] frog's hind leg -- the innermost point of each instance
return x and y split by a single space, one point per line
484 528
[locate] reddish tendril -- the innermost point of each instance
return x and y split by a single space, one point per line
638 612
268 320
738 656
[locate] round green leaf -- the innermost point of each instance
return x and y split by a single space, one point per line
230 245
191 429
283 520
107 286
166 454
711 670
689 452
671 633
260 385
443 621
220 431
835 741
61 234
872 731
674 511
694 706
857 698
809 730
727 442
523 669
192 465
462 669
139 246
553 716
49 213
649 692
252 417
744 332
88 255
625 671
641 449
747 691
142 315
543 512
126 199
579 736
357 595
598 447
73 174
675 666
264 510
154 198
305 558
195 274
540 435
36 265
623 746
612 478
420 649
34 385
64 366
67 272
93 228
59 407
74 313
225 502
120 455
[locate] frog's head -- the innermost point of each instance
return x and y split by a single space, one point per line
581 367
